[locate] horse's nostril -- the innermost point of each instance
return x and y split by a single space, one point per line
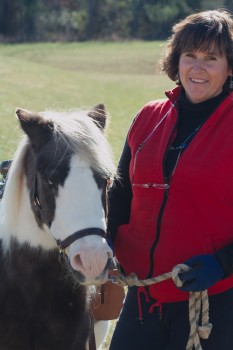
76 263
90 265
110 254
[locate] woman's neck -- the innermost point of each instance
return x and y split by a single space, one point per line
199 110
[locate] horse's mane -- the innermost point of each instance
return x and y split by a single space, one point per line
13 190
79 133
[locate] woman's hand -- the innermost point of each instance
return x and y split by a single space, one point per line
205 271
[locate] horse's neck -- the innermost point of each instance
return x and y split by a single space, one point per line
18 221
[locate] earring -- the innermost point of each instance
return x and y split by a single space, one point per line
178 80
231 83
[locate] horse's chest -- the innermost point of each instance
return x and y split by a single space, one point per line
36 296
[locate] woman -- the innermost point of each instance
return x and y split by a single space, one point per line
173 202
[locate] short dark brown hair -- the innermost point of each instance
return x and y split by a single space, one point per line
199 31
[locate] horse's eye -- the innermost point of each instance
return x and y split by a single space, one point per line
48 182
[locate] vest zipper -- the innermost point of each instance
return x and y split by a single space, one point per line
164 201
164 186
158 229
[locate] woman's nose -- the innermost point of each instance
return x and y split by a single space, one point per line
199 64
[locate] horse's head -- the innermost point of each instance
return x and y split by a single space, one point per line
66 165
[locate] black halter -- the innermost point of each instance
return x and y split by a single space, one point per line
4 168
62 245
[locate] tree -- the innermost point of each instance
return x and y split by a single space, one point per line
18 19
228 4
8 11
30 20
158 16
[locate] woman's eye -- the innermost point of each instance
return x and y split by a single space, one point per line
212 58
189 54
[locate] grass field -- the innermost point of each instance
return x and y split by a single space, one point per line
123 76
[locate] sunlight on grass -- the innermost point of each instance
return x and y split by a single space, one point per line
123 76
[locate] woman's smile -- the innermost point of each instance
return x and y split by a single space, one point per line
203 74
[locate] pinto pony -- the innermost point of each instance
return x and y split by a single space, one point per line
53 203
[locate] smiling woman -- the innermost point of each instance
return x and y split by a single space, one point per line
172 202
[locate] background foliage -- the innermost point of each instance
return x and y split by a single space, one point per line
78 20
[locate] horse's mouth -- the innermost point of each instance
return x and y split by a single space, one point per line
94 280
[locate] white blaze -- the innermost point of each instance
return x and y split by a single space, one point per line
79 206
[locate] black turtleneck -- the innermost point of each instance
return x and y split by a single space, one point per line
191 116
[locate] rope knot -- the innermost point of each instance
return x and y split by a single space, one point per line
175 273
204 330
132 280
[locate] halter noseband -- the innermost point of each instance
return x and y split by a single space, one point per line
62 245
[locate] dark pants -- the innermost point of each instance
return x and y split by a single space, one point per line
170 330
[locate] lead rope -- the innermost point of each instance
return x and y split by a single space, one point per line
198 303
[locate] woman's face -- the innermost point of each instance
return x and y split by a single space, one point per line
203 74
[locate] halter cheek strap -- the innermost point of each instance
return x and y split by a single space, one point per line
62 245
79 234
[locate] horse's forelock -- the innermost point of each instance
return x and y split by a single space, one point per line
87 139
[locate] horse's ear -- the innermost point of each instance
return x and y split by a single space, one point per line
98 113
35 126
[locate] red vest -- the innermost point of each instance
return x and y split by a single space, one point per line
193 213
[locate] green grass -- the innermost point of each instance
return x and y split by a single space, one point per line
123 76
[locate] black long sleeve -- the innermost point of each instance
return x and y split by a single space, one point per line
120 194
225 257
